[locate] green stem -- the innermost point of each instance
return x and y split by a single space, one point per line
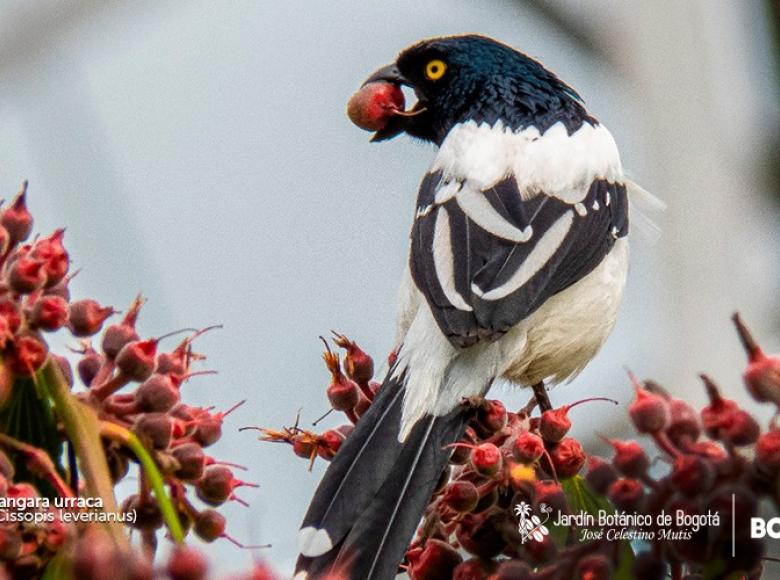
128 438
82 427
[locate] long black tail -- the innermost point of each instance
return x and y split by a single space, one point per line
374 493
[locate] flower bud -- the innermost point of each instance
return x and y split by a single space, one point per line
52 253
191 460
87 316
136 360
462 496
437 560
474 569
148 515
209 525
513 570
527 447
28 353
492 415
692 475
768 451
739 428
486 459
89 365
626 494
187 563
358 365
49 313
600 475
684 425
554 424
329 443
26 275
649 412
16 218
158 393
567 457
216 485
630 459
117 336
155 428
593 567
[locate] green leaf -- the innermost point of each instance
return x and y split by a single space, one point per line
582 499
28 416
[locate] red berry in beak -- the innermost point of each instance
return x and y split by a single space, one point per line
16 219
372 106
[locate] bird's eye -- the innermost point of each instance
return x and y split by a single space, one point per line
435 69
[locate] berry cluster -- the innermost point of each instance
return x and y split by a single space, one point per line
133 388
514 475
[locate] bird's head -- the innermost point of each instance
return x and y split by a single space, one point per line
462 78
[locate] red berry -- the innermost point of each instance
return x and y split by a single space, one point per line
626 494
28 353
87 317
462 496
692 475
492 415
209 525
486 459
16 219
52 253
187 563
49 313
630 459
649 412
527 447
372 106
768 451
567 457
136 360
26 275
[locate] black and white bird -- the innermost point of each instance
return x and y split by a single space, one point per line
516 271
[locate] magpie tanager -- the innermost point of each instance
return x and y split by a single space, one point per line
516 269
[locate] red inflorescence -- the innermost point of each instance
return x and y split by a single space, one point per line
470 529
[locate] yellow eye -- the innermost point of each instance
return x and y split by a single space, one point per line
435 69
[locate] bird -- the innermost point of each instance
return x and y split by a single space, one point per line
517 264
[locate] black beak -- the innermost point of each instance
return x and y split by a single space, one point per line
390 74
398 123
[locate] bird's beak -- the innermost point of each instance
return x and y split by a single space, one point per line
397 124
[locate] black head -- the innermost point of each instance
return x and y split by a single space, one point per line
462 78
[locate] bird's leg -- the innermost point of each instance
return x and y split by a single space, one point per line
540 394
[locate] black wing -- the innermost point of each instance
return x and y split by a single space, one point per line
485 260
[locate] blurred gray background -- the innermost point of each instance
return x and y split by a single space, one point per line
198 152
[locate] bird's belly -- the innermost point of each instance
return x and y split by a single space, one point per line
559 339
